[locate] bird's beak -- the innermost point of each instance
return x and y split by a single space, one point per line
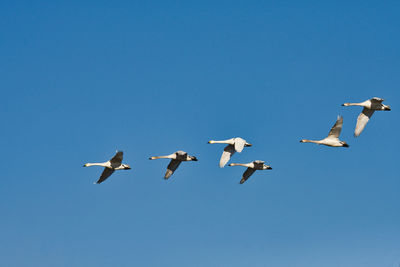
128 168
248 144
194 159
84 165
269 168
346 145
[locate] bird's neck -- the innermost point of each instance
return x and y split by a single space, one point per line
229 141
172 156
240 164
312 141
362 104
103 164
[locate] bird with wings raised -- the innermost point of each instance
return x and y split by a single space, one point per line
333 137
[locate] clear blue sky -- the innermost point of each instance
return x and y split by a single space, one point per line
81 79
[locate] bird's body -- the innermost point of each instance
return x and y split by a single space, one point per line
234 145
333 138
110 166
251 168
369 107
176 159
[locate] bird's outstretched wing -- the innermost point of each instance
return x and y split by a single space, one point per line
239 144
337 128
229 150
377 100
106 173
172 166
117 159
247 174
362 120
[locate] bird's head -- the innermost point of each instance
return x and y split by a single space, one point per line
211 142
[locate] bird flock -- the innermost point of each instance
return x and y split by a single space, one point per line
237 144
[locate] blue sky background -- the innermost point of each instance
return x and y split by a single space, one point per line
81 79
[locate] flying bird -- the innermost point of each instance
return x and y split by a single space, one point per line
110 166
251 168
333 137
234 145
176 159
370 106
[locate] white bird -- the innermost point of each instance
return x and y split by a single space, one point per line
333 137
234 145
110 166
370 106
176 159
251 168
